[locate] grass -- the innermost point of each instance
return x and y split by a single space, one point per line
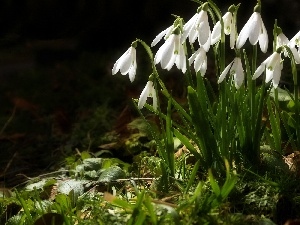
97 190
109 191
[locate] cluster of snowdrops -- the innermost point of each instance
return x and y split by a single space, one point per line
187 43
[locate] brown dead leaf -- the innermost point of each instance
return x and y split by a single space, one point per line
181 151
293 161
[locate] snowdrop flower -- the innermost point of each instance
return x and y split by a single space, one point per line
273 68
200 61
282 40
127 63
236 68
229 28
198 27
148 91
171 52
255 30
165 33
293 43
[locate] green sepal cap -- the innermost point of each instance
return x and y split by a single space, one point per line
257 8
278 30
151 78
199 9
204 7
176 30
279 50
231 9
177 22
134 44
237 54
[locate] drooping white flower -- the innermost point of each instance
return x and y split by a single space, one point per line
126 64
273 68
292 44
295 41
236 68
148 91
200 61
281 40
171 52
229 29
256 31
165 33
198 27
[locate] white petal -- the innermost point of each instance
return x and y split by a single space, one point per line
216 33
200 60
144 95
255 28
269 75
154 98
132 72
244 34
296 55
159 54
224 73
127 61
227 20
181 60
194 30
281 40
232 34
204 30
193 56
239 72
116 67
165 52
273 60
259 71
206 45
193 35
168 54
263 39
117 64
188 26
161 35
203 67
276 75
295 40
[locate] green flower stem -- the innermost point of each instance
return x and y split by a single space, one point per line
170 141
296 94
253 92
165 147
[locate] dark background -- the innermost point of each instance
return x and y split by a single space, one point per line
57 92
109 24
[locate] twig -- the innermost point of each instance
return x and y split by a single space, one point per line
9 120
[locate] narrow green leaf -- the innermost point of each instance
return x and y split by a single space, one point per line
170 140
177 106
148 204
203 130
185 141
275 126
213 183
140 218
193 176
